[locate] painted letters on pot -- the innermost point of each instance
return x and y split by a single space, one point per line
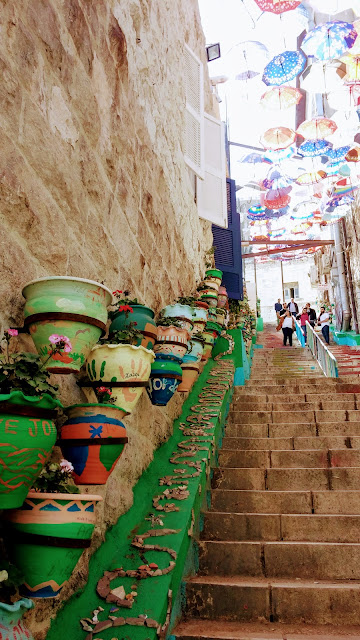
166 375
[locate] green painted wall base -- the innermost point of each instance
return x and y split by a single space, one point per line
117 551
260 324
348 338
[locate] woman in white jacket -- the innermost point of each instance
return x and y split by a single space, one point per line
287 324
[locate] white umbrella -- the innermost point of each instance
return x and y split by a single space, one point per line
322 78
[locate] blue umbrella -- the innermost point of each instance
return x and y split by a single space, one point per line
254 158
277 156
336 155
284 68
312 148
276 213
329 40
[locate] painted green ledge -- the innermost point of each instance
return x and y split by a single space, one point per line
116 551
348 338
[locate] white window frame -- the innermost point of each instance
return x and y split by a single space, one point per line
194 113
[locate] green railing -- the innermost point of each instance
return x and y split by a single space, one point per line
299 333
321 353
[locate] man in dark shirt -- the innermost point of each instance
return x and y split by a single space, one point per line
311 314
278 305
283 310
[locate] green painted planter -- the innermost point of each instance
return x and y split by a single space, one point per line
73 307
11 625
144 318
28 435
49 533
210 298
213 278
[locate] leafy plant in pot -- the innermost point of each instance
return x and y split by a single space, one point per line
50 530
12 607
126 311
120 365
28 407
181 311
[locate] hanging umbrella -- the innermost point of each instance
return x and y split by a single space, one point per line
352 63
345 170
277 203
284 67
340 201
313 148
277 6
278 138
301 228
273 214
253 158
329 40
317 128
344 99
248 58
246 75
276 157
353 154
304 210
311 178
279 98
344 186
321 78
338 154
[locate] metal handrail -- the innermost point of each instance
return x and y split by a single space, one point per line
321 353
299 333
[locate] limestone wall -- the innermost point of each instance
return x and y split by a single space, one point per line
93 182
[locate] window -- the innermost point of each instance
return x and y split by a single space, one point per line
291 290
194 113
211 192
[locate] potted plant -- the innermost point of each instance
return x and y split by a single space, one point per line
172 338
190 371
211 333
127 311
93 438
28 407
165 377
121 366
65 305
11 612
196 346
213 278
222 297
220 316
200 317
208 295
182 312
50 530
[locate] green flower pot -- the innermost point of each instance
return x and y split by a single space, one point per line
28 434
11 625
49 533
72 307
144 318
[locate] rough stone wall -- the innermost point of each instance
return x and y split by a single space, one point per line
352 224
93 183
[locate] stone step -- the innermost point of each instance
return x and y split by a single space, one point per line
307 459
310 415
282 430
290 443
294 390
200 629
278 600
305 479
345 502
308 405
219 525
308 560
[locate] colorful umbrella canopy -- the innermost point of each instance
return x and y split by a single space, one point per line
320 78
329 40
278 203
253 158
278 138
246 75
273 214
278 156
304 210
338 154
249 58
279 98
339 201
284 67
353 155
352 67
317 128
345 98
313 148
277 6
311 178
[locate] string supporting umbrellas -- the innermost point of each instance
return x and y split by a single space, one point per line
279 98
278 138
329 40
284 68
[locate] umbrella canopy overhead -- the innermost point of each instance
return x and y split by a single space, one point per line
279 98
277 6
329 40
311 178
345 98
353 155
313 148
278 202
278 138
320 78
317 128
284 68
338 154
249 58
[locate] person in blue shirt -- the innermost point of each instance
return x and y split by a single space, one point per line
278 307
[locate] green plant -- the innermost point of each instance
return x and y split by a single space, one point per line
129 335
56 478
24 371
10 580
209 257
189 300
234 305
169 322
220 311
123 303
198 336
202 287
103 395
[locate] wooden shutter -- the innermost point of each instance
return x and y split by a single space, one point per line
228 247
211 192
194 113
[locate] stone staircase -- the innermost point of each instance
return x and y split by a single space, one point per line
348 359
279 556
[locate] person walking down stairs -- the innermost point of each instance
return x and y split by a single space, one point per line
324 322
279 553
287 324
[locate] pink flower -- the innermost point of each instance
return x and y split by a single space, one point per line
102 390
66 466
12 332
56 339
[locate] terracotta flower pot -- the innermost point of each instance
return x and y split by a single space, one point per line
93 439
196 350
210 297
166 375
11 625
143 317
122 364
171 341
190 372
72 307
201 304
222 297
49 533
28 435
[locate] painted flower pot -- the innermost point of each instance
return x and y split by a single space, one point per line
201 304
144 318
28 435
196 351
214 326
213 278
190 372
210 334
200 317
49 533
212 314
222 297
166 375
67 306
171 341
93 439
210 298
11 625
181 312
123 368
220 318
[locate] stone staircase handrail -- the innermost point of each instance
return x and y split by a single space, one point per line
321 353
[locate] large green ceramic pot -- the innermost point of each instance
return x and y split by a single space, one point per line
11 625
71 307
49 533
28 435
181 312
144 319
